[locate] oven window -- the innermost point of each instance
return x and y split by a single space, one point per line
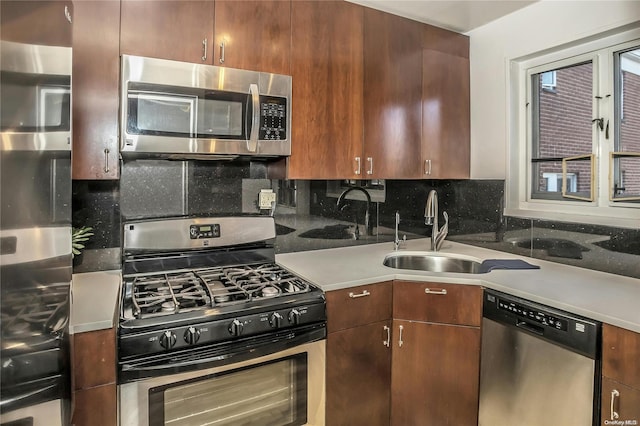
267 394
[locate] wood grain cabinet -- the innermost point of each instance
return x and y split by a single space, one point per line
327 104
181 30
392 96
43 22
436 354
446 124
96 69
94 378
359 356
621 376
253 35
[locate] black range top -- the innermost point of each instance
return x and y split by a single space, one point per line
191 282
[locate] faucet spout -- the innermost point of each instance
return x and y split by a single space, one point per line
431 218
368 225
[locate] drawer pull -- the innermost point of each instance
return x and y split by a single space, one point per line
387 342
400 342
442 291
614 394
363 294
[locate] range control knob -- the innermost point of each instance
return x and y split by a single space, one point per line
294 317
235 328
275 320
192 335
167 339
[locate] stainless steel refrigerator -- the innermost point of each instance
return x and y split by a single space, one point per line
35 217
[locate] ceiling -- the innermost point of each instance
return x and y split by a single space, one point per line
457 15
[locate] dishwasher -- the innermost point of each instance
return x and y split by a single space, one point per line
539 365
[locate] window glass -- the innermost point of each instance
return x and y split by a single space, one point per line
561 128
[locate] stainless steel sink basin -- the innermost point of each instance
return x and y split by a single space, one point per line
433 262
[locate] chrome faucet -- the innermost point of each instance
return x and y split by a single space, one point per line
431 218
397 241
368 225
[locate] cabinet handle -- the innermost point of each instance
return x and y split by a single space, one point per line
67 14
106 160
370 160
442 291
614 394
222 52
359 169
387 342
363 294
427 167
400 342
204 49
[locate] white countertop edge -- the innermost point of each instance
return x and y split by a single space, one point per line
576 290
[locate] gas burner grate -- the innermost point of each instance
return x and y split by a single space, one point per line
169 293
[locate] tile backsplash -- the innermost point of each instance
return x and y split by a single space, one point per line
156 188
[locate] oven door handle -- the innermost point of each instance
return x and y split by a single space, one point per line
27 396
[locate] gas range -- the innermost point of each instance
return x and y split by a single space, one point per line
202 284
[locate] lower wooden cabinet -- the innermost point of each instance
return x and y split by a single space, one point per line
359 376
435 374
621 376
94 378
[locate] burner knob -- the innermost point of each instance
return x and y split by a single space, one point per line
235 328
192 335
167 339
275 320
294 317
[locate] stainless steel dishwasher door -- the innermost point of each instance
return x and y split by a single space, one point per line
527 381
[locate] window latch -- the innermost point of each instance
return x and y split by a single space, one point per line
600 122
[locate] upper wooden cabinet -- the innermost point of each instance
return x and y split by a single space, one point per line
177 30
445 105
327 104
392 96
253 35
46 23
96 67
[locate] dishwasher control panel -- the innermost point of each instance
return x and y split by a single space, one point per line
535 315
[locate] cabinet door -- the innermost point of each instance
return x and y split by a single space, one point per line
36 22
95 406
620 404
172 29
359 376
96 67
436 302
253 35
327 70
620 355
392 96
445 115
435 374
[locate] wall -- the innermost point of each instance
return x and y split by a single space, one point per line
543 25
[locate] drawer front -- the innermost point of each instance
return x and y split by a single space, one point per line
435 302
94 358
357 306
620 404
620 355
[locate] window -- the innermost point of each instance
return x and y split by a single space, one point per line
575 147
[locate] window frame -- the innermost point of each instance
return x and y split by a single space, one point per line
518 201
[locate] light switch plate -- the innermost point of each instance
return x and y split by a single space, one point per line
266 198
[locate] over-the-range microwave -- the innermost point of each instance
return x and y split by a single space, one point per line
181 110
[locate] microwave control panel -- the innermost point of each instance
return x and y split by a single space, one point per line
273 118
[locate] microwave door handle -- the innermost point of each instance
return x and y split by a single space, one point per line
252 142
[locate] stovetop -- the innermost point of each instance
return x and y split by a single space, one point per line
164 294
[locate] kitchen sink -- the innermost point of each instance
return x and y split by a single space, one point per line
433 262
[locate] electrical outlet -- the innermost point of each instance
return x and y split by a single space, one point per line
266 198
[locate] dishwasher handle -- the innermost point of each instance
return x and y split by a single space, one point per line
530 327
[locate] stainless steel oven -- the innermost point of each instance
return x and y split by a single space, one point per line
182 110
212 331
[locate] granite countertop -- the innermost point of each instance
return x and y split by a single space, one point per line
94 301
601 296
